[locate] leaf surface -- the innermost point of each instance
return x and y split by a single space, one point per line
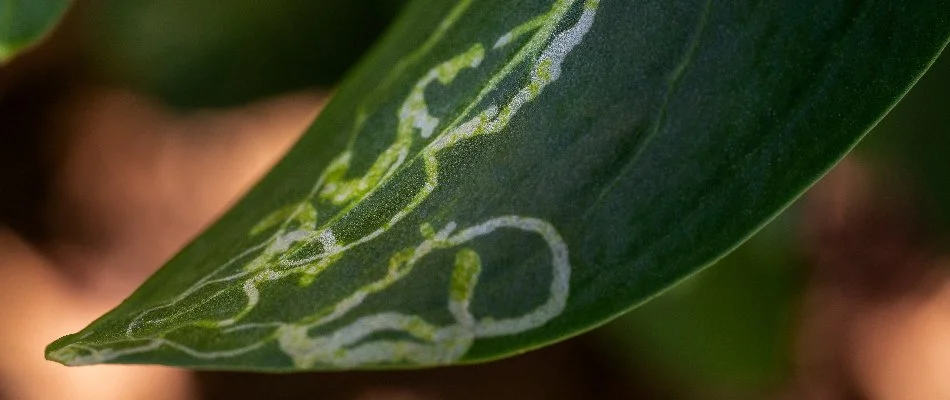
499 175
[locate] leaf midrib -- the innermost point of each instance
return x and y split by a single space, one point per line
661 116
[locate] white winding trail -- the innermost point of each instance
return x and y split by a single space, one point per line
279 256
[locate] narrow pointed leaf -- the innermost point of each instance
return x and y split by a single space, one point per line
499 175
23 22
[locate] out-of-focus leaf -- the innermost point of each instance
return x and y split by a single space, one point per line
908 149
23 22
726 330
499 175
225 53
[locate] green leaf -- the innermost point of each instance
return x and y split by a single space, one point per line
500 175
23 22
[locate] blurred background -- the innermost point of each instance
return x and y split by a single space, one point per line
137 122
